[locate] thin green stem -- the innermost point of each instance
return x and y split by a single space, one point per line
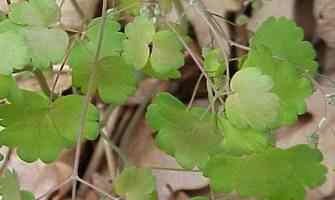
83 115
115 148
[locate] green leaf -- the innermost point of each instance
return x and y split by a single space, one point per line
173 74
288 43
40 129
252 103
35 13
275 174
9 89
46 46
115 80
291 88
166 53
10 190
176 125
112 41
135 184
140 34
214 64
14 52
242 141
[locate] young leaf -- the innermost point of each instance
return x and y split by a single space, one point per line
242 141
14 52
214 64
288 43
46 46
34 12
135 184
10 190
252 103
176 125
274 174
166 53
40 129
291 88
140 34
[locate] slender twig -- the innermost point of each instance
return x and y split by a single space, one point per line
54 189
59 72
195 90
196 59
87 100
97 189
115 148
235 44
42 82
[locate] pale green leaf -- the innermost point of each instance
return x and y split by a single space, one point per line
135 184
14 52
252 103
291 88
112 41
166 53
176 125
46 46
142 28
40 129
285 39
275 174
136 48
35 12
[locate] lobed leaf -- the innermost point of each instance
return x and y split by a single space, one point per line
291 88
252 103
41 129
140 34
135 184
35 13
14 52
275 174
176 125
166 53
285 40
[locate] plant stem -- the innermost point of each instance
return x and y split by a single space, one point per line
54 189
97 189
115 148
87 100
